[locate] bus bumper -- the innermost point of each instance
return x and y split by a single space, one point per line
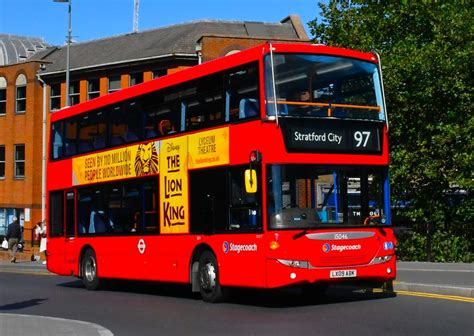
280 275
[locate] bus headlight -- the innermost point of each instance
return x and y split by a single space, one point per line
380 260
294 263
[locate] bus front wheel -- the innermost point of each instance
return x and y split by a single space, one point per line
89 270
209 286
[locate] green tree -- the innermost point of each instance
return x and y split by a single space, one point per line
427 52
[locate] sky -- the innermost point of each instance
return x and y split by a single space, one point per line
93 19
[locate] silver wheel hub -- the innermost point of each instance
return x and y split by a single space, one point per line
90 269
207 276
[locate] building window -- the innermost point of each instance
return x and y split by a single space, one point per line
74 93
55 97
2 162
20 94
159 73
3 96
19 168
136 78
3 222
114 83
93 88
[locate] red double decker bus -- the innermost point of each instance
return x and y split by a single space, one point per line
266 168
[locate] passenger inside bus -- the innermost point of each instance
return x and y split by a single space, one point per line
136 222
248 108
166 127
304 96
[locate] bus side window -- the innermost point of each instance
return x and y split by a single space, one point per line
208 192
242 92
70 138
57 140
56 214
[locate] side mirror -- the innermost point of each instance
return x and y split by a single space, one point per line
250 181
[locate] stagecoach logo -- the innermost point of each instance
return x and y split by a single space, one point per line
231 247
146 160
341 248
141 246
225 247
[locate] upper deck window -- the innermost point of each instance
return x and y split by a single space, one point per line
323 86
207 101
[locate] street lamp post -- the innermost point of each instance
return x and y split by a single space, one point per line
69 32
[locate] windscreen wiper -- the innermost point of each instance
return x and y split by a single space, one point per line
303 233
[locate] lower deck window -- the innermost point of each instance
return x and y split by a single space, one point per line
118 208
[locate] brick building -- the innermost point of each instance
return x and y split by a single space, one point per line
20 131
105 65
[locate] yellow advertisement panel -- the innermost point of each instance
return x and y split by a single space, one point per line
210 148
131 161
174 213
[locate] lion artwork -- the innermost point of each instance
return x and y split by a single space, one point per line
146 160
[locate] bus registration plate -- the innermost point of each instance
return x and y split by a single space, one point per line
343 274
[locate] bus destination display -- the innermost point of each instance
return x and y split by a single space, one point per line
338 136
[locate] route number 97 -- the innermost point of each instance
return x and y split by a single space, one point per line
362 138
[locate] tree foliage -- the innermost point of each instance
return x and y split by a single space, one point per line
427 57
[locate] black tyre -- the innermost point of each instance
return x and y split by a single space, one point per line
209 286
89 273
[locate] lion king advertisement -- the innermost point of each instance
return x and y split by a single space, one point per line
174 212
132 161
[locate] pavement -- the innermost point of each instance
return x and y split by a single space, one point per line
445 279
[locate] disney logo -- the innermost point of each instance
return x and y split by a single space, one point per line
172 147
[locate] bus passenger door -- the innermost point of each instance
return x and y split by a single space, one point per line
70 255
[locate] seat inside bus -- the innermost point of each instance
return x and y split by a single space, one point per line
98 222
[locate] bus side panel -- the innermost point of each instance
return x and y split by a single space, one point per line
118 257
57 179
156 258
241 259
56 253
167 258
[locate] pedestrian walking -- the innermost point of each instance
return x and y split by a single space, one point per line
38 233
43 241
13 236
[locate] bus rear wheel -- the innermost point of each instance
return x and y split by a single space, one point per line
90 278
209 286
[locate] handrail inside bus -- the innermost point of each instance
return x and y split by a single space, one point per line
362 107
329 105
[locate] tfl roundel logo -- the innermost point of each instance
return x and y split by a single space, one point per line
225 247
326 248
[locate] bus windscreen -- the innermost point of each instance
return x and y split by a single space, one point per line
323 86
